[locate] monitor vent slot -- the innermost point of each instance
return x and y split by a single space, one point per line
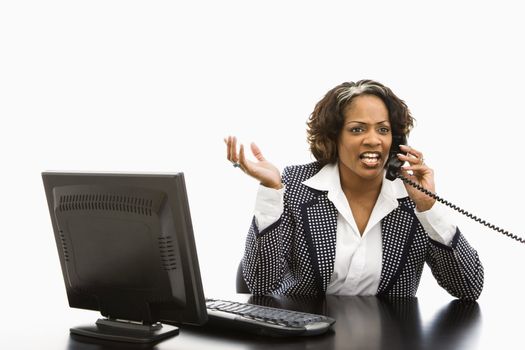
167 253
64 245
106 201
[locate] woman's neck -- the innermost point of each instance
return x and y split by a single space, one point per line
355 186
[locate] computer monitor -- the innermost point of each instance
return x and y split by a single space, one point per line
126 249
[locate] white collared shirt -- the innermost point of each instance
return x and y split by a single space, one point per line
358 258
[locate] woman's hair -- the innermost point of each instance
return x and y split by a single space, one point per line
327 119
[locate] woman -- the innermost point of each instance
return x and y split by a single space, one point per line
337 226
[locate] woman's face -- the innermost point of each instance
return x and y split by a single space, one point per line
366 137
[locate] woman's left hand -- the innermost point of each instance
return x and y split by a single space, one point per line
421 174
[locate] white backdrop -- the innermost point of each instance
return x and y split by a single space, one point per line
155 86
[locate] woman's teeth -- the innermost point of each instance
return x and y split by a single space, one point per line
370 159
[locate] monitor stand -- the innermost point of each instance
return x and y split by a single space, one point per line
126 331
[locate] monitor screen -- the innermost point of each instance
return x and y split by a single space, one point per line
126 248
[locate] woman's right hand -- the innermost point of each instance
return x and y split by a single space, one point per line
262 170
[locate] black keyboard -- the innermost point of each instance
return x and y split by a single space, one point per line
266 320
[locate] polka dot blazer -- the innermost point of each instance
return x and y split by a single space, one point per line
296 254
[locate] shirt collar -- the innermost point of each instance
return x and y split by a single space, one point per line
327 179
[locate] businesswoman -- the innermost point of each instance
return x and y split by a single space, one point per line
336 225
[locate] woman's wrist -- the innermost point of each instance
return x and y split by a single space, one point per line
422 206
275 186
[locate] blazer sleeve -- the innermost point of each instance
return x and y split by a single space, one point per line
263 262
457 267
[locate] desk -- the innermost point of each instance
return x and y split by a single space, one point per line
362 323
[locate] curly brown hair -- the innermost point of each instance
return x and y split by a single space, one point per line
327 119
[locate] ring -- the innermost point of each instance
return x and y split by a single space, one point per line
422 161
236 165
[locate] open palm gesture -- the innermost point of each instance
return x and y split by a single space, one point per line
262 170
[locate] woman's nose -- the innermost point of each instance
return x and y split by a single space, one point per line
372 139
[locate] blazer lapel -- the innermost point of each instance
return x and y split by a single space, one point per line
319 217
397 231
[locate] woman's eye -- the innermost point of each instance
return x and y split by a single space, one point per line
356 130
384 130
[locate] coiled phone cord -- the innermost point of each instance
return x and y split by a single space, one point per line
462 211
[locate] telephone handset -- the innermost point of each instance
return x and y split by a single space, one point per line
393 171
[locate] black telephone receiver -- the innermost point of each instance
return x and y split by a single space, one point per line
393 171
393 168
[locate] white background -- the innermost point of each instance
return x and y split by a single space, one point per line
155 86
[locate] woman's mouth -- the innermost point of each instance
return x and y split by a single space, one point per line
370 159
